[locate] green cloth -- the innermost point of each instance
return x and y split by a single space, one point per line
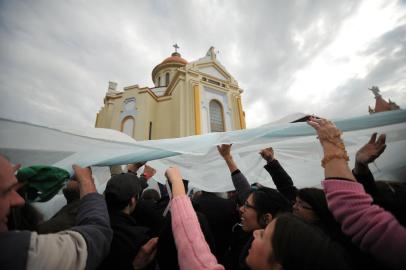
41 183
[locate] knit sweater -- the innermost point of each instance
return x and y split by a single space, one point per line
193 251
372 228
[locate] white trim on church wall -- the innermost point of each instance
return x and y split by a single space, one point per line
209 94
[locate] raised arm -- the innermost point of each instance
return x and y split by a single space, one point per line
145 176
365 155
240 183
280 177
193 251
375 230
83 246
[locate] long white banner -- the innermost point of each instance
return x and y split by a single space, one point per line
295 145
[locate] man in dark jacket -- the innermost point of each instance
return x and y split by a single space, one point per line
221 215
122 195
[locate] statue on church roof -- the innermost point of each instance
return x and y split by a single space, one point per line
375 90
112 87
211 53
381 105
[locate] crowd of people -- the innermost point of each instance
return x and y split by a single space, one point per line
352 222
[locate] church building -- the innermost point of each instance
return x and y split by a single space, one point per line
188 98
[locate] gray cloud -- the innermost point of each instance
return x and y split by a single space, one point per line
57 57
388 73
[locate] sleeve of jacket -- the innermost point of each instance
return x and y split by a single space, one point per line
193 251
81 247
63 251
281 179
367 180
93 223
241 185
375 230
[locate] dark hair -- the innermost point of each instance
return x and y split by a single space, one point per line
299 245
317 200
392 197
327 223
269 200
120 189
150 195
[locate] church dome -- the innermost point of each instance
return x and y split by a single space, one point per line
175 60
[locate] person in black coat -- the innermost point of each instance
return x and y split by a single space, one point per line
122 195
221 215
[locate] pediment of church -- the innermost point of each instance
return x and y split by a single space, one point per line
215 72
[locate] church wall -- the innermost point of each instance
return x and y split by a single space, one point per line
145 105
101 118
166 122
115 113
110 112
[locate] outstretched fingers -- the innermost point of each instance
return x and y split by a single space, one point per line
373 138
313 124
381 139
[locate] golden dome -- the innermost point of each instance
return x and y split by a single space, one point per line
175 57
175 60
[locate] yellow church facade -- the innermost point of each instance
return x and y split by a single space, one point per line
188 98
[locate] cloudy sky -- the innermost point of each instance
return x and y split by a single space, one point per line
56 57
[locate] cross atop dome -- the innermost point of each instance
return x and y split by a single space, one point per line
176 47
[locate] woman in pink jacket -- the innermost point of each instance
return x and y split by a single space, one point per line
286 243
375 230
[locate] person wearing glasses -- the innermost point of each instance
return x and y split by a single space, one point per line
287 242
260 205
310 204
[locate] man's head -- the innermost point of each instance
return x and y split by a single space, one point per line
150 195
122 192
8 191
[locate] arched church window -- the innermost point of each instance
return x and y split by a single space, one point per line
216 116
127 126
159 81
167 79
